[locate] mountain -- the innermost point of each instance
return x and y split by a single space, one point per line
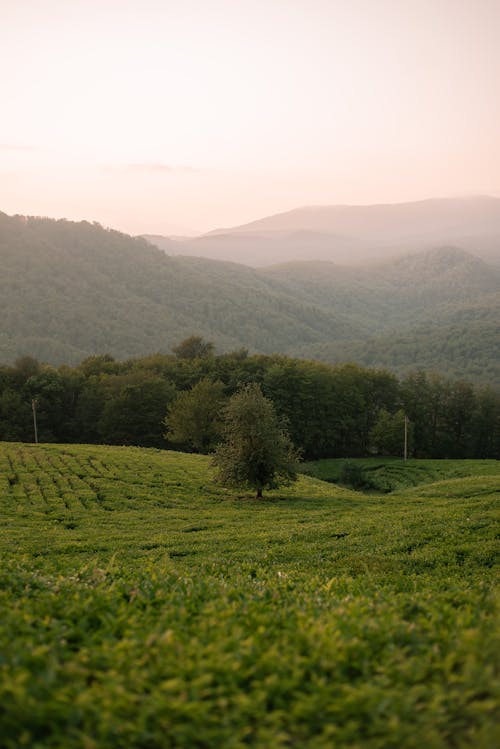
438 310
69 290
390 221
344 233
391 292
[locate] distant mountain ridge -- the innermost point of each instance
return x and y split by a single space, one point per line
387 220
69 290
350 233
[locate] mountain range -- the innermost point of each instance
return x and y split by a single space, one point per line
70 290
352 234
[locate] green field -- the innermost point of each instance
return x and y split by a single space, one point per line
144 606
393 474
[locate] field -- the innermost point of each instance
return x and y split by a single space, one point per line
144 606
391 474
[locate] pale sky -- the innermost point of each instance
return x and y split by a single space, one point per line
162 115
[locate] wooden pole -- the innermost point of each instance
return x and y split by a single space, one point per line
33 408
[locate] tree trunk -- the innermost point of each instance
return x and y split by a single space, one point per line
259 493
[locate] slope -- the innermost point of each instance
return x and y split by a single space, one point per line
68 290
144 606
437 310
445 282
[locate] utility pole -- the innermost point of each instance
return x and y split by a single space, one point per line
33 408
405 456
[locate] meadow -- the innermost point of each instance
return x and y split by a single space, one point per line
392 474
144 606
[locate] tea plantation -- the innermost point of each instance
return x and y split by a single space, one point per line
143 606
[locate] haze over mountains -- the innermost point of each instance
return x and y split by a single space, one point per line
351 234
70 290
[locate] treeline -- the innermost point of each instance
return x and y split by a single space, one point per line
332 411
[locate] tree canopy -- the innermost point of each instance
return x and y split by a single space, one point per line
193 347
256 451
330 411
194 418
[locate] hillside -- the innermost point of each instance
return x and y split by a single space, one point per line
143 605
470 351
69 290
437 310
390 293
354 233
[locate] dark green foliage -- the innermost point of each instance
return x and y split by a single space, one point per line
388 433
485 426
26 367
353 475
15 416
134 416
445 416
394 474
194 418
256 450
193 347
330 411
143 606
328 408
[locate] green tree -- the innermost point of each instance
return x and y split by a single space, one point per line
387 435
423 396
257 451
486 425
135 415
458 419
16 422
26 367
194 418
55 394
193 347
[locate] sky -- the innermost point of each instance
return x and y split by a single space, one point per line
169 116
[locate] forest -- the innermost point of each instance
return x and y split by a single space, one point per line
73 290
330 411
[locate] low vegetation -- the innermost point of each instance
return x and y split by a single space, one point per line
143 605
393 474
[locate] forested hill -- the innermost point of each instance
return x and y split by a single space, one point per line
438 310
69 290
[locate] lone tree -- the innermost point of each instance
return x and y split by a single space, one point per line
256 451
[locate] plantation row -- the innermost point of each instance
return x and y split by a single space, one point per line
332 411
145 606
389 475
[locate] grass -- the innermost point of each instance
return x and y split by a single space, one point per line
392 474
143 606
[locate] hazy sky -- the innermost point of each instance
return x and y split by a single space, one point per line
148 115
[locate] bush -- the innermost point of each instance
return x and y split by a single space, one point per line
353 475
